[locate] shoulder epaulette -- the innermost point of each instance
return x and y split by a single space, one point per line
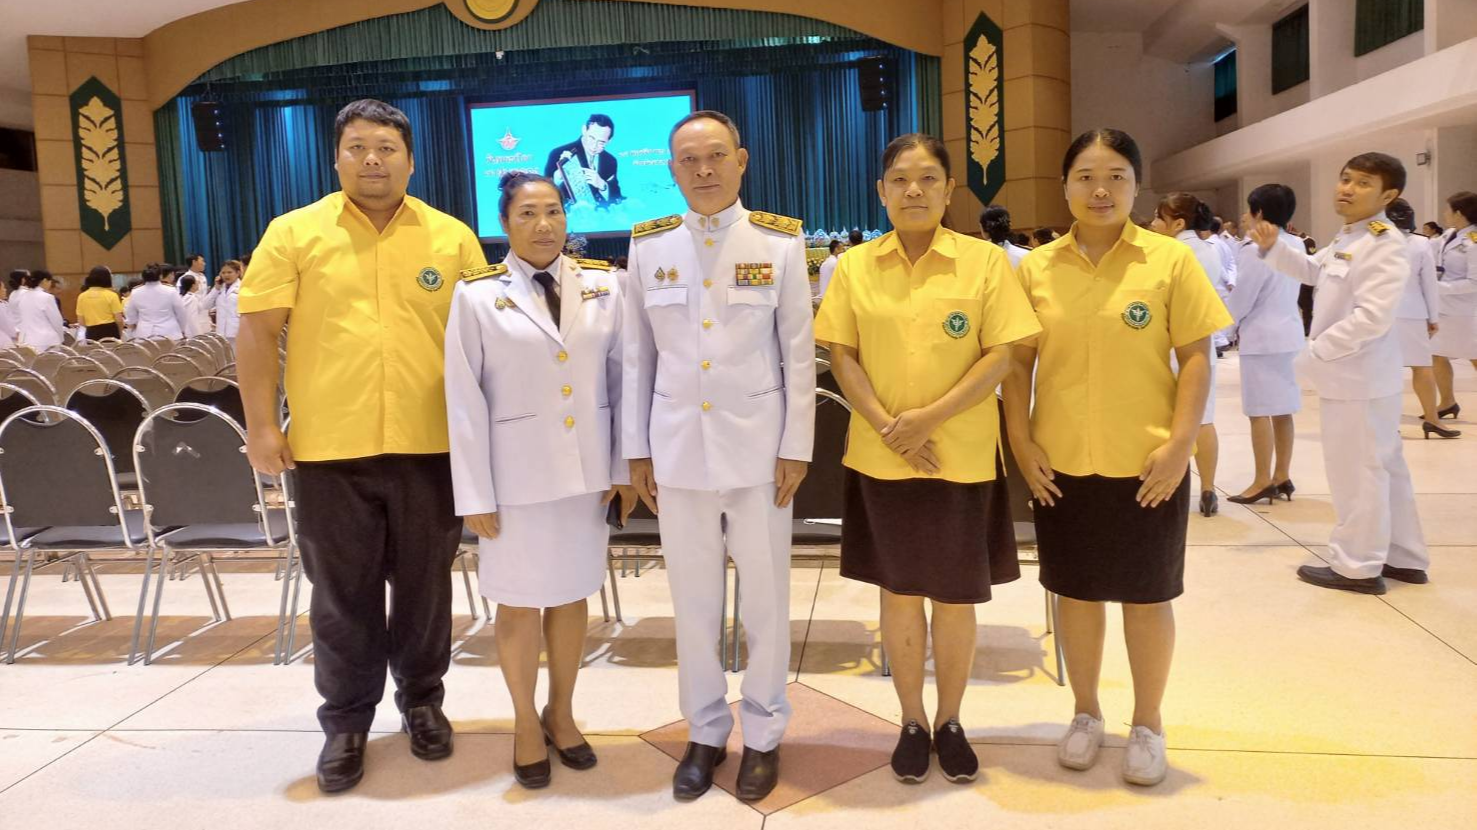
497 270
651 226
774 221
596 264
1378 228
1472 235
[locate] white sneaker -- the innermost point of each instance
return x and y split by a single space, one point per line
1145 763
1078 748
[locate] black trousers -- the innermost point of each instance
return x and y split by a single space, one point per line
363 523
102 330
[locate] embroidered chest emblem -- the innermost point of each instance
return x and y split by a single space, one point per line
1137 314
430 279
956 325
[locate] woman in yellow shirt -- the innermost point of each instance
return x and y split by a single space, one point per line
98 306
920 322
1107 446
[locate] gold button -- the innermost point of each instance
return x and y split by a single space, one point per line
569 422
567 391
707 406
707 364
707 283
707 324
563 356
708 242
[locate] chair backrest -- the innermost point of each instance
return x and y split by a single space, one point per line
73 372
178 369
154 387
156 346
115 409
194 470
131 353
820 495
33 382
203 359
13 399
110 342
28 353
48 362
105 358
216 347
8 362
55 470
227 371
216 392
66 348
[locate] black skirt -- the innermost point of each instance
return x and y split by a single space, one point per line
1098 545
102 330
942 540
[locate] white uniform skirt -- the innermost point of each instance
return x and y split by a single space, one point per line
546 554
1457 338
1415 342
1269 386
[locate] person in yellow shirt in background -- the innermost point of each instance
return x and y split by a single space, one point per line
99 307
366 275
1106 448
920 324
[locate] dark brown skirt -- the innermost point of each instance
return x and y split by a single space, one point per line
925 537
1098 545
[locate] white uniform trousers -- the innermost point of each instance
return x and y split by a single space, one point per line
695 524
1373 497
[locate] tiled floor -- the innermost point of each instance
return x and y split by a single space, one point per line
1289 706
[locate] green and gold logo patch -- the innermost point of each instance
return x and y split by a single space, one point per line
1137 314
956 325
430 279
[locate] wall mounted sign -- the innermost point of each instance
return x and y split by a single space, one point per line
984 95
102 179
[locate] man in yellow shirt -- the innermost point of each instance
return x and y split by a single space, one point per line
366 275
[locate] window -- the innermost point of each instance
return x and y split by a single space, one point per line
1225 86
1380 22
1290 51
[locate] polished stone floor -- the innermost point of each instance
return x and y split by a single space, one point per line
1289 706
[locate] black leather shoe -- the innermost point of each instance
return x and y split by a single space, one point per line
533 776
1428 429
1286 489
1450 412
1270 493
341 763
1415 576
581 756
1326 578
694 775
1209 504
758 773
430 732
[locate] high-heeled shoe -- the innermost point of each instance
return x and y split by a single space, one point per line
1270 493
1428 429
580 756
533 776
1209 505
1450 412
1286 489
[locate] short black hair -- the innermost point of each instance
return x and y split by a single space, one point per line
621 262
1021 238
152 272
1434 227
186 283
376 112
995 223
1465 203
1043 235
711 115
1402 214
514 179
38 276
17 278
1116 140
1275 203
855 237
835 243
933 145
1387 167
601 120
98 277
190 260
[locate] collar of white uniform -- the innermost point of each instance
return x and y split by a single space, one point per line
718 221
517 265
1186 235
1363 224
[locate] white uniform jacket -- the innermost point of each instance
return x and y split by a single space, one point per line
533 408
1265 303
719 349
156 310
38 320
1359 277
227 318
1422 298
1456 260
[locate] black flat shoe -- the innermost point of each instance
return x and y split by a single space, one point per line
1286 489
1325 577
910 759
1450 412
956 756
534 776
581 756
1428 429
1270 493
759 772
694 775
429 730
1414 576
341 763
1209 504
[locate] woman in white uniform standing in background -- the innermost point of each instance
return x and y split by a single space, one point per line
533 382
1456 274
1418 318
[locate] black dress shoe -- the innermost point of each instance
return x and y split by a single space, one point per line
581 756
1326 578
1428 429
1449 412
430 732
694 774
1270 493
341 763
1209 504
758 773
1286 489
534 776
1415 576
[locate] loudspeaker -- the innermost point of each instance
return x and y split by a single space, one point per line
210 126
876 82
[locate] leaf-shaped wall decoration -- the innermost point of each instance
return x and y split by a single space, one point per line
984 103
102 164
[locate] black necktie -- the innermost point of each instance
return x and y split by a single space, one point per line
546 281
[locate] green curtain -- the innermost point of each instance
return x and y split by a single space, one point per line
1381 22
1225 86
1290 59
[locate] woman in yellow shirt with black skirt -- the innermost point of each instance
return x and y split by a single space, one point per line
920 324
1106 447
99 308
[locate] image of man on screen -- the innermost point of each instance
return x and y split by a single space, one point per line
597 167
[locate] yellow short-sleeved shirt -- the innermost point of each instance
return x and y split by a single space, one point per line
98 306
918 328
365 344
1104 388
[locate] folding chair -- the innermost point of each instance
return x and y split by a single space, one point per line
34 383
115 410
27 354
217 392
154 387
73 372
13 399
205 362
109 361
178 369
48 362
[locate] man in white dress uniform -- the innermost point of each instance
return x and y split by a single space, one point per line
1354 363
718 422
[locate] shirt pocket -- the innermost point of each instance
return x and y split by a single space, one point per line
955 327
742 297
675 295
1137 309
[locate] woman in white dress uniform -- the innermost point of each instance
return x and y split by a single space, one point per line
1182 215
1418 318
39 320
196 315
1270 326
533 379
1456 274
155 309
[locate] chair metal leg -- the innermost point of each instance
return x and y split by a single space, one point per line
733 662
143 596
20 607
1061 658
615 590
287 558
97 613
886 664
297 585
220 587
1050 617
164 557
184 568
723 616
97 586
15 573
467 581
604 604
